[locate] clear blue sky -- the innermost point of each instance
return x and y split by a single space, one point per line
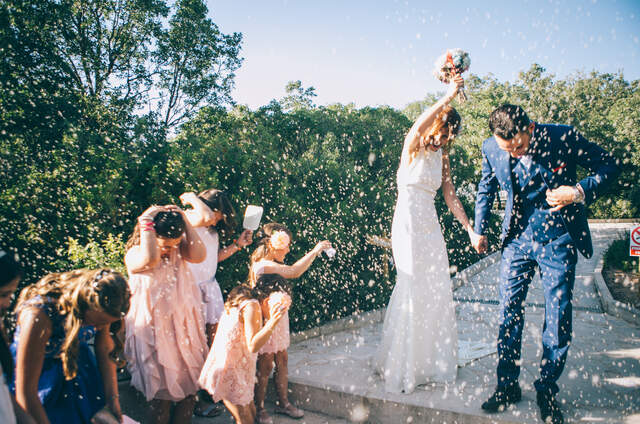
381 52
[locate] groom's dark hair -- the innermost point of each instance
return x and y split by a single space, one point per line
508 120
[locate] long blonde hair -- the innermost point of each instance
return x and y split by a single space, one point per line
74 293
264 246
448 117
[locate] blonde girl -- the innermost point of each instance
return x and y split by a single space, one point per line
229 372
58 378
268 258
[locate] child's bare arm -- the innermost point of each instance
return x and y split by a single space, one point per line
256 334
297 269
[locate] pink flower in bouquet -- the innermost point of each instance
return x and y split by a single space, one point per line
279 240
452 62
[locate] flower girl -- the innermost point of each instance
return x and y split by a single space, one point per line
229 372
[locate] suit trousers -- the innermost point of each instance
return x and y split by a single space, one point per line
556 260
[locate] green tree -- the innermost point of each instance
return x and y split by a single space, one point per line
105 45
195 62
297 96
85 137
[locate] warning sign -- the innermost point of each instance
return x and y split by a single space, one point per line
634 242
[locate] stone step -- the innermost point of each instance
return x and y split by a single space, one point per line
359 408
133 404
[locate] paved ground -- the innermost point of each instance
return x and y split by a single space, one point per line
133 406
601 382
309 418
331 374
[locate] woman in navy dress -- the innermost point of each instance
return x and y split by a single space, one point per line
58 377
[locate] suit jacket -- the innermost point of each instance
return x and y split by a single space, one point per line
557 150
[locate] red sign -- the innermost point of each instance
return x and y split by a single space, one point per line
634 242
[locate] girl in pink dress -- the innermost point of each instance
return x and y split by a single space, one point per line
213 217
229 372
268 259
165 342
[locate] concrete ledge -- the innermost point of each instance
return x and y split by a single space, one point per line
364 319
362 407
609 304
614 221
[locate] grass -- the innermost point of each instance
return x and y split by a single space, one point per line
617 257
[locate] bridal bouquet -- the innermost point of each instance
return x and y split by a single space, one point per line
453 62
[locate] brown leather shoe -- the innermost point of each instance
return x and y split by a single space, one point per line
290 410
263 417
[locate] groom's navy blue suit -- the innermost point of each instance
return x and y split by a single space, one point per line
533 236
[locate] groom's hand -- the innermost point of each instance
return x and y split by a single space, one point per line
480 243
561 197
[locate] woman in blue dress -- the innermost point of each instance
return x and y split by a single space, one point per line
58 377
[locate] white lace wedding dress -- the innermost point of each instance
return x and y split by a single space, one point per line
419 336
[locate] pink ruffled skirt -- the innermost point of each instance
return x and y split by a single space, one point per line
165 343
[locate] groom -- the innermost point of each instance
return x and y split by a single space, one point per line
545 221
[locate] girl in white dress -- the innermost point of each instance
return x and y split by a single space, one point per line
212 216
419 336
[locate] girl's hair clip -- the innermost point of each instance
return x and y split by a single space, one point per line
99 276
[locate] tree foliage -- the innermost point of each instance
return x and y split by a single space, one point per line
195 63
109 106
297 96
83 123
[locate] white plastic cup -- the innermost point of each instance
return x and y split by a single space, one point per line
330 252
252 216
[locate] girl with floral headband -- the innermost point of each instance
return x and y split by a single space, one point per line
58 377
268 258
165 341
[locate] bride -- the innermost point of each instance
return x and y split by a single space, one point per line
419 336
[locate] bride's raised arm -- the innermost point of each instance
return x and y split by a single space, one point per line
425 120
